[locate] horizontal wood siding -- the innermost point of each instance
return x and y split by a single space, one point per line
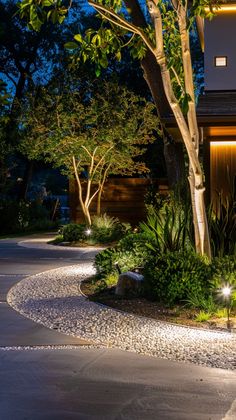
122 197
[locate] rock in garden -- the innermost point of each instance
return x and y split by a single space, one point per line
129 283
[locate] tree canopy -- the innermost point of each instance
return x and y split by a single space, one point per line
90 134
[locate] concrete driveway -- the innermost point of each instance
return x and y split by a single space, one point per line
53 376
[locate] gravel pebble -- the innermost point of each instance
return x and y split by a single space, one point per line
53 298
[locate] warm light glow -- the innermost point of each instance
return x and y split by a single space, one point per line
88 232
221 61
223 143
223 8
226 291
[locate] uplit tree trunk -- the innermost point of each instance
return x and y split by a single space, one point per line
84 204
94 169
189 129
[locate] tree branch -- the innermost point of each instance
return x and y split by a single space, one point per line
123 23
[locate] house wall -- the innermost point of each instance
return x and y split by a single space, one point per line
223 167
220 36
122 198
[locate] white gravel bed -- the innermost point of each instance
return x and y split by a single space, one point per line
53 299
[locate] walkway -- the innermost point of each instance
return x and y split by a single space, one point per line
73 379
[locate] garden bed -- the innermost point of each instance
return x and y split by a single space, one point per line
179 314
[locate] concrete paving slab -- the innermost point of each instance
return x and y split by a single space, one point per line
110 385
94 384
6 282
16 330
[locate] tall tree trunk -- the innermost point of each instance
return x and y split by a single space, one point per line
174 157
188 129
84 208
189 135
199 211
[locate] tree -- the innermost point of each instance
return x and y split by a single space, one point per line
177 78
166 38
90 136
104 43
27 58
4 147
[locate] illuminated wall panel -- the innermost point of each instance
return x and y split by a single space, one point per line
223 166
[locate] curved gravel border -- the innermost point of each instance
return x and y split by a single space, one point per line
53 298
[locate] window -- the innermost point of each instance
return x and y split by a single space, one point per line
220 61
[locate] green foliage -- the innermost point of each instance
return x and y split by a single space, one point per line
133 246
105 222
135 242
203 316
105 260
224 266
43 225
111 279
104 229
39 12
221 313
24 216
89 135
222 225
107 229
57 240
107 123
109 40
169 221
4 97
168 229
130 253
223 272
74 232
173 276
205 303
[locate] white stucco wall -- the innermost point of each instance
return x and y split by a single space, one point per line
220 40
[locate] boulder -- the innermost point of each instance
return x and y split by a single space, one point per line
129 284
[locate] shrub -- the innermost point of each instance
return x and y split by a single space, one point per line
202 316
205 303
223 271
222 225
107 229
173 276
74 232
43 225
167 229
24 216
38 212
130 253
111 279
221 313
105 260
135 245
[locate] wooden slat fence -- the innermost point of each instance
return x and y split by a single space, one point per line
122 198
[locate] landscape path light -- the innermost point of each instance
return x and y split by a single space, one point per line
226 293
